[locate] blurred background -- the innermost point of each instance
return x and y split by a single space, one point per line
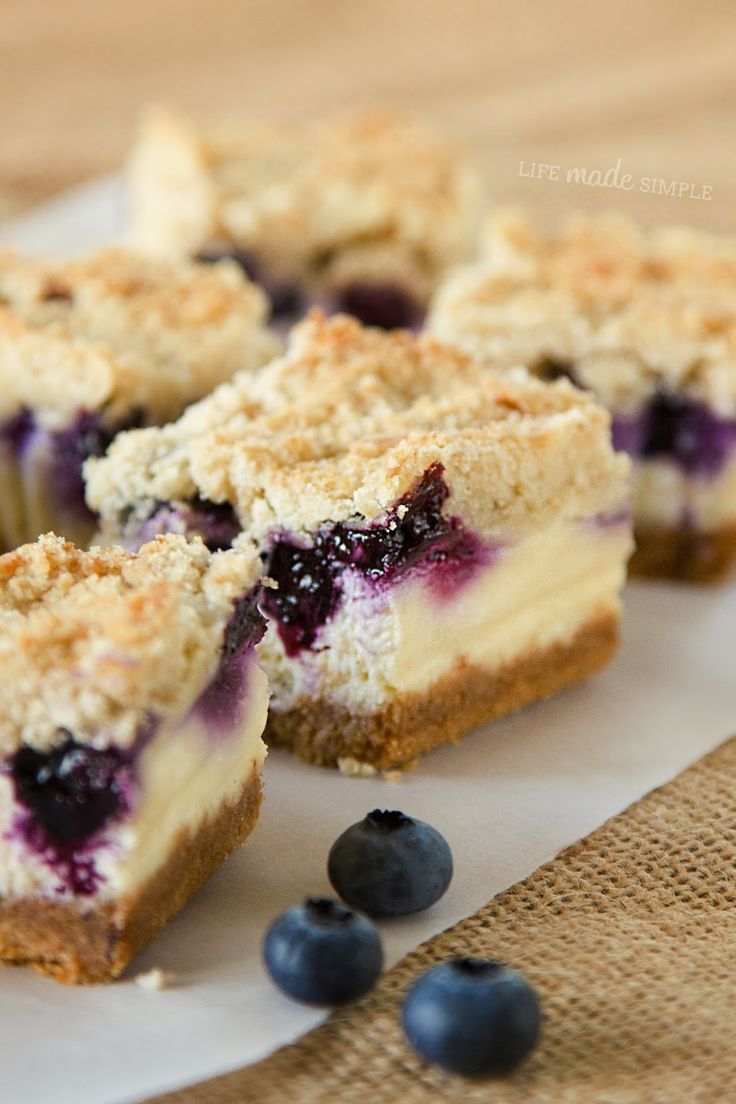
573 83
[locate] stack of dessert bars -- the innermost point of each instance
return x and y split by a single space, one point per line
397 536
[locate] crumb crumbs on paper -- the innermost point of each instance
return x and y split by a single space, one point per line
154 979
392 776
354 768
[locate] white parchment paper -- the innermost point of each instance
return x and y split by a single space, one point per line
508 798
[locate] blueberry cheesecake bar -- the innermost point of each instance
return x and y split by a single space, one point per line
361 213
131 712
647 322
440 546
95 345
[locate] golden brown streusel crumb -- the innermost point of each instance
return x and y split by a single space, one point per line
120 331
629 310
348 420
361 194
96 641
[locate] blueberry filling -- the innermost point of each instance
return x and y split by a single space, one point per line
287 302
286 299
384 305
413 533
71 791
86 436
220 702
68 796
17 431
215 522
679 429
669 426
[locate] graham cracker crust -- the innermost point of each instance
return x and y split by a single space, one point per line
322 732
83 944
684 554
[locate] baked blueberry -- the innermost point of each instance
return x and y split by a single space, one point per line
384 305
389 864
414 533
323 953
473 1017
72 791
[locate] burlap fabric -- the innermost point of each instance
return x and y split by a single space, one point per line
629 937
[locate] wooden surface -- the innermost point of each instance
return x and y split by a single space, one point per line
572 83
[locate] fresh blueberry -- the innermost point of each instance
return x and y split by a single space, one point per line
323 953
472 1017
390 864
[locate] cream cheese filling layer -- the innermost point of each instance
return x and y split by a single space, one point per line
666 496
187 773
381 644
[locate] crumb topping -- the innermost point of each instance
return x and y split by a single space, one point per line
630 311
370 183
96 642
348 420
118 331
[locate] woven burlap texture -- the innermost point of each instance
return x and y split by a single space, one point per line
629 937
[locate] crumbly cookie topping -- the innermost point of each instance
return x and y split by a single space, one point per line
630 311
348 420
98 641
119 331
369 183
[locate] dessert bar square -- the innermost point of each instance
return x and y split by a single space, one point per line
131 712
98 344
647 322
440 546
361 213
